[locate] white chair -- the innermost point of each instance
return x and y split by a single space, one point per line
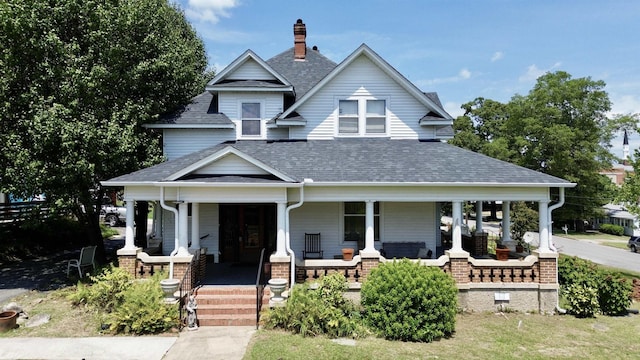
87 255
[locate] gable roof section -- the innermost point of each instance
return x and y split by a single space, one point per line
201 112
355 161
364 50
303 75
224 79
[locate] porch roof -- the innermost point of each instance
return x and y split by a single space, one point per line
360 161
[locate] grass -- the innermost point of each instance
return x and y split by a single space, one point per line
477 336
66 320
615 241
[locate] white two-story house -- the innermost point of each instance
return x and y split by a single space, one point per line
297 144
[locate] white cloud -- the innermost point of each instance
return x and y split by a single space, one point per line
453 108
626 104
209 10
533 72
498 55
463 74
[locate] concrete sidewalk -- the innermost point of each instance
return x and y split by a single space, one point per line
107 348
223 342
212 342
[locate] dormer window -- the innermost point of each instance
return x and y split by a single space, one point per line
362 117
251 119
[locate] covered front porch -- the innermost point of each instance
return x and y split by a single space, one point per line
231 233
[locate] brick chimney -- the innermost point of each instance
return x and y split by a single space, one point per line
299 40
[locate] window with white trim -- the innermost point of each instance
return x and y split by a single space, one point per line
251 119
362 117
354 221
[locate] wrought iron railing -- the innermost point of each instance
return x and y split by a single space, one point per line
186 285
260 282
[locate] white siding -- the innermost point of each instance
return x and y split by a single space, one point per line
409 222
208 225
250 70
362 78
229 103
398 222
231 165
180 142
324 218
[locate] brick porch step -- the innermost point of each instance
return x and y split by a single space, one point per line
228 305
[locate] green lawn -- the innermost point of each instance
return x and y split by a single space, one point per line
477 336
619 242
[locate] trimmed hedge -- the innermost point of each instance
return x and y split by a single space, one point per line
406 301
612 229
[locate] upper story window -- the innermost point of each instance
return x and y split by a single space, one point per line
251 119
362 117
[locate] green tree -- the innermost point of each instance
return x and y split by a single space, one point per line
78 78
560 128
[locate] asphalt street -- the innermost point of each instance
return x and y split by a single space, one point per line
600 254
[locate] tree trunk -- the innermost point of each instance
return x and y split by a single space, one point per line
494 210
142 212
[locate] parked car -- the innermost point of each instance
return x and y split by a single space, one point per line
634 243
113 215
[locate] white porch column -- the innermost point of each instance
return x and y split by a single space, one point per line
183 229
478 217
281 247
195 226
543 218
456 231
369 227
129 233
506 221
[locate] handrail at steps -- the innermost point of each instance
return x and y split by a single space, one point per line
182 290
259 287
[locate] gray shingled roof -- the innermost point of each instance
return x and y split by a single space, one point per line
362 161
302 74
201 110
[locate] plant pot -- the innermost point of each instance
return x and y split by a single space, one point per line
169 286
8 320
502 254
277 287
347 254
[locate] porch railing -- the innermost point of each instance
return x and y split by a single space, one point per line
260 282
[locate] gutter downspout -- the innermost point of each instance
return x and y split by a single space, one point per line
287 238
551 208
175 247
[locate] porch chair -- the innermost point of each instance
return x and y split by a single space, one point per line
312 246
87 258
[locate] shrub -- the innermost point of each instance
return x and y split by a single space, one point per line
106 291
143 310
612 229
127 306
614 294
323 310
575 275
583 300
406 301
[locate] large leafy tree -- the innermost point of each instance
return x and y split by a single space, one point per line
559 128
78 78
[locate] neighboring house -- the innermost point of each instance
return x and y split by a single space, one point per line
617 214
296 144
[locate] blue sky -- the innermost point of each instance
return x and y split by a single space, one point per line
461 49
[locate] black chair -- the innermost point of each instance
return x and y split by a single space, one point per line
312 246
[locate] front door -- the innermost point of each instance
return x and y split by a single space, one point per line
244 230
